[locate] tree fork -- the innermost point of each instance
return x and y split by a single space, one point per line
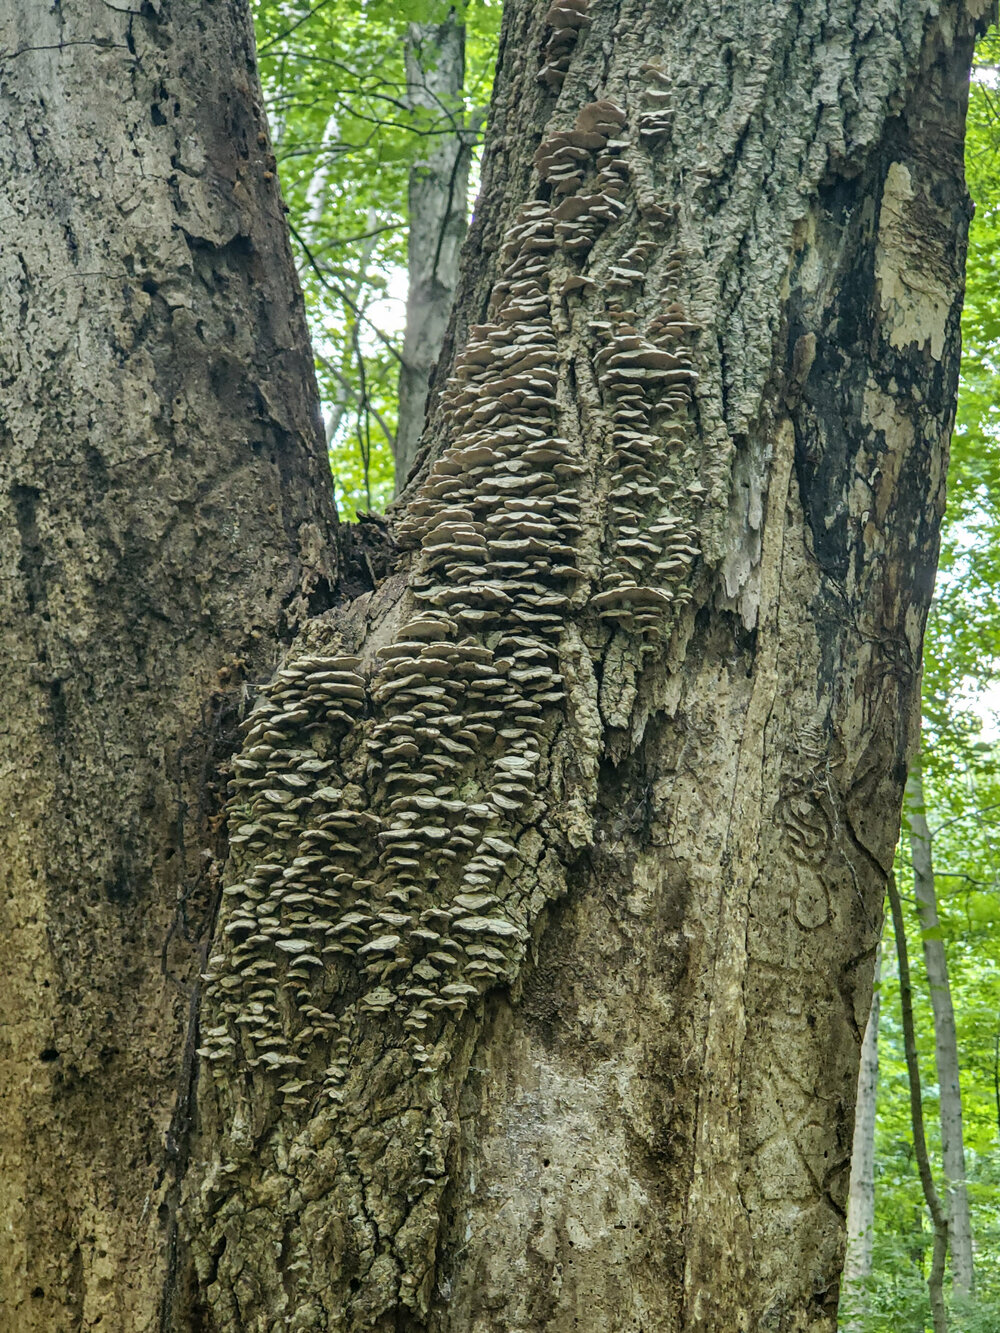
556 861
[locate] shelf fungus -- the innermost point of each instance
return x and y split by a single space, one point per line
566 19
396 819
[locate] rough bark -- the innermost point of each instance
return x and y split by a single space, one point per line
956 1197
438 206
166 521
861 1195
558 860
939 1220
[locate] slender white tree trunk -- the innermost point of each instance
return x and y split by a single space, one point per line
945 1037
939 1219
438 198
861 1198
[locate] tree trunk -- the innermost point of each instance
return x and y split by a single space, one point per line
167 521
556 861
861 1196
939 1221
945 1037
538 1002
438 203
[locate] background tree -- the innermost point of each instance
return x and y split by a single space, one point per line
956 1196
354 138
438 200
861 1197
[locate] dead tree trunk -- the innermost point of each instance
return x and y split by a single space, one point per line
438 208
945 1036
556 861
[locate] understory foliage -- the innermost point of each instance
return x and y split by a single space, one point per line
345 140
962 789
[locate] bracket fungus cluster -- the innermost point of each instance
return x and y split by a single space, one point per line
565 18
380 811
399 813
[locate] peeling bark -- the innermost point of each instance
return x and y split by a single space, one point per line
956 1199
438 207
166 523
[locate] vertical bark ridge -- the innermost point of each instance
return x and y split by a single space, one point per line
558 860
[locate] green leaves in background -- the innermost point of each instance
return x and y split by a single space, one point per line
344 138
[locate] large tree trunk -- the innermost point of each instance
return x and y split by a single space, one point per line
556 862
956 1195
166 521
861 1195
438 208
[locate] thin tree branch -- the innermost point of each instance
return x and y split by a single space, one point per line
280 36
366 403
339 291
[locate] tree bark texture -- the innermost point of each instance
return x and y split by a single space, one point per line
166 521
538 989
939 1219
861 1195
438 209
945 1037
